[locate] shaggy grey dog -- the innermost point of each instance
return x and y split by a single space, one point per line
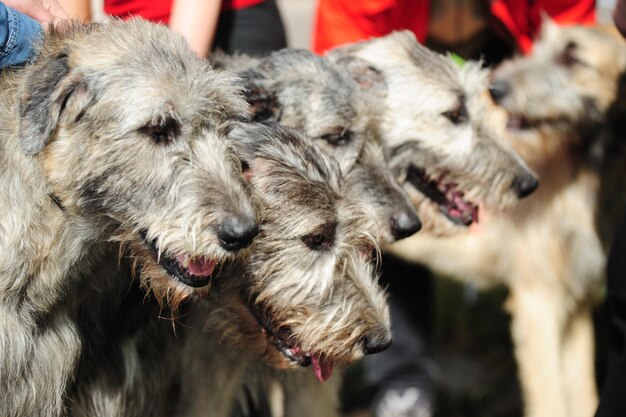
115 137
434 121
308 295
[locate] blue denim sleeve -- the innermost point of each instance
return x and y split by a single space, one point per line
18 33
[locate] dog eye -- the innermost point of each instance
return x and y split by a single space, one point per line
162 132
568 57
338 138
322 239
457 116
262 111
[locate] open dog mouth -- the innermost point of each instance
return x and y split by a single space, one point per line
446 195
522 122
194 272
283 340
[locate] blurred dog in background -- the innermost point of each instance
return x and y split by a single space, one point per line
563 105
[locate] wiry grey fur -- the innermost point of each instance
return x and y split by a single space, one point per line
433 118
301 90
325 299
115 130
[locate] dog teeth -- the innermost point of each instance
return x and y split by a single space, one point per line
186 261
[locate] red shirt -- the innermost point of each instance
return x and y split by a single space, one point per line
346 21
159 10
523 20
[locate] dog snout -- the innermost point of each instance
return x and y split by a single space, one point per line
237 232
404 223
498 89
524 185
376 341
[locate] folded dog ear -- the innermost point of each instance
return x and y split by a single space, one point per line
243 139
246 138
250 139
42 99
549 28
365 74
261 97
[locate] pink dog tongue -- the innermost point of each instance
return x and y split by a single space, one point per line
323 368
201 267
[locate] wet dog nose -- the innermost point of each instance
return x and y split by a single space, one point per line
237 232
376 342
525 185
404 224
498 89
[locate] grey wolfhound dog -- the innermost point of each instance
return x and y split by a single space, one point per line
434 122
563 117
304 91
114 138
298 89
308 295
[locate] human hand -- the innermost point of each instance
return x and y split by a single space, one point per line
196 20
43 11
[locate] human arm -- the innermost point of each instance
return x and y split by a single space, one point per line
43 11
196 20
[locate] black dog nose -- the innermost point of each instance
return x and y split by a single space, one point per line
404 224
525 185
498 89
237 232
376 342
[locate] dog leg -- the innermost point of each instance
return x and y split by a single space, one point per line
536 334
578 364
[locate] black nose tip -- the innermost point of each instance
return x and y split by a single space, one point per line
376 342
498 89
525 185
404 224
237 232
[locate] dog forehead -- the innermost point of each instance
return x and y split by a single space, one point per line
600 48
432 80
401 55
138 102
427 97
151 92
596 47
593 42
130 41
303 185
324 114
293 66
316 97
141 55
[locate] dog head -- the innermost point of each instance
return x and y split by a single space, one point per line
301 90
130 128
308 294
558 94
298 89
434 126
